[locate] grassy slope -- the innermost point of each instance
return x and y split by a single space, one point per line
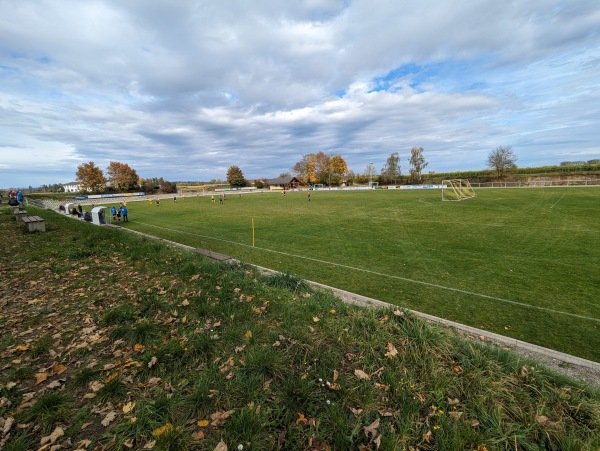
115 340
476 262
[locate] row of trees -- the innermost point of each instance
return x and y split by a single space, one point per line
314 168
120 177
579 163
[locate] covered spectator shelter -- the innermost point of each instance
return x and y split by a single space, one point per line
283 183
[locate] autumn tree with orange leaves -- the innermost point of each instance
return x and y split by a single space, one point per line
321 168
121 176
91 177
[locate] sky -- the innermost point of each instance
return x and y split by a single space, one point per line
184 89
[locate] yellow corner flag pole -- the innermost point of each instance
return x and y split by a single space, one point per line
252 232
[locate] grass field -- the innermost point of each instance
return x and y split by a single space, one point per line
523 263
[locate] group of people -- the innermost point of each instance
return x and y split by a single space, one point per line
15 198
119 212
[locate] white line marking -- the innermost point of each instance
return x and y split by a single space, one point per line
558 200
404 279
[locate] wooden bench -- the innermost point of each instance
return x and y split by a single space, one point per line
34 223
19 214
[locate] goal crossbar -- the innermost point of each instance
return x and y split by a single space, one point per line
457 190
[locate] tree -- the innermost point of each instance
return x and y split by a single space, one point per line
167 187
501 159
121 176
235 177
320 168
337 168
91 177
416 164
390 173
305 169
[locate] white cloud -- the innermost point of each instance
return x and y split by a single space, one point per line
185 89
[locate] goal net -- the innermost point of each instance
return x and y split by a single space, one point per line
318 186
457 189
373 185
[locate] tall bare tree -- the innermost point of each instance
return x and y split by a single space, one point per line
416 164
502 159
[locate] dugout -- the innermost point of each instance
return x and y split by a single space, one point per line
99 215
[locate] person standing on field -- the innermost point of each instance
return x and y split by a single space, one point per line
124 213
308 194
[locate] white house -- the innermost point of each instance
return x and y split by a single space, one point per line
72 187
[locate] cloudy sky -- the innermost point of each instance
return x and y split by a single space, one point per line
183 89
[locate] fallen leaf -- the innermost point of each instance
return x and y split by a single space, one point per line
95 385
110 416
202 423
473 423
221 446
220 417
316 319
55 435
392 351
138 347
457 369
455 415
40 377
59 369
84 443
452 402
362 375
398 313
335 375
152 362
161 430
54 384
301 419
371 430
384 319
198 435
23 347
150 444
427 436
248 335
128 443
542 419
356 412
128 407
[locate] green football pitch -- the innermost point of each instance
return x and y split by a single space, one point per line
524 263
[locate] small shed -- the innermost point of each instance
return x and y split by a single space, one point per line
99 215
281 183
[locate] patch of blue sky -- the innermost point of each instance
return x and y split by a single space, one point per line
446 76
230 95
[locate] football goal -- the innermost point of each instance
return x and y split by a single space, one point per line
457 189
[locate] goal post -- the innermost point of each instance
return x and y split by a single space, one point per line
456 190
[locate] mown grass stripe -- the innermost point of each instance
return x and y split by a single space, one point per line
391 276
